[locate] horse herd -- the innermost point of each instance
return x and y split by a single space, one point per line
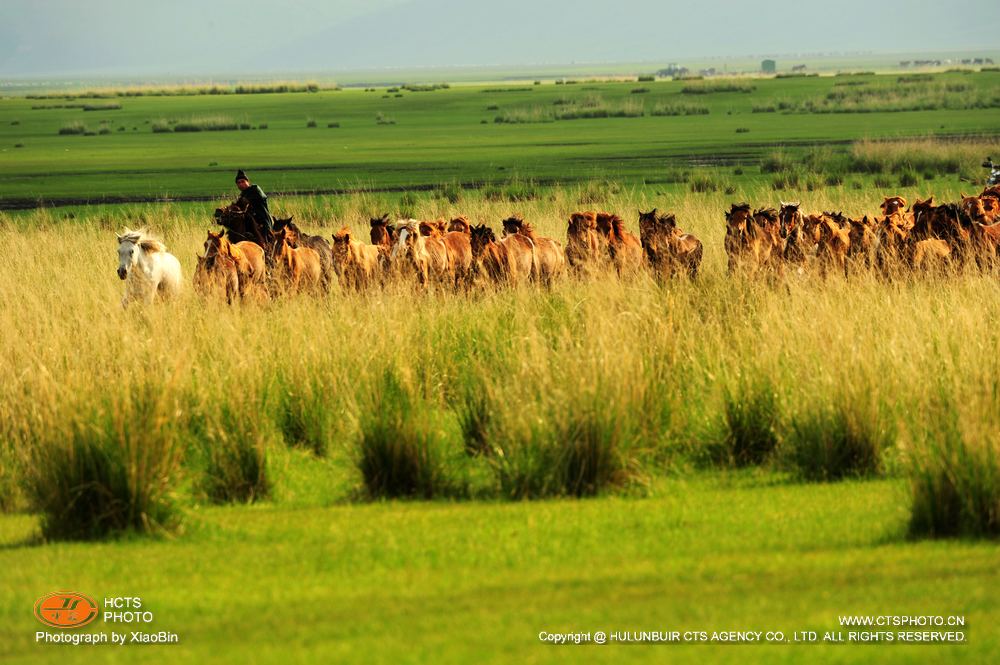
458 255
921 237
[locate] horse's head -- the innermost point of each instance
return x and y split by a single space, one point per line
280 223
459 224
408 234
581 224
213 244
512 224
128 251
279 245
891 204
481 237
737 219
341 248
789 217
382 231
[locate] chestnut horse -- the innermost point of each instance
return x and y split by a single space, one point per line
584 249
218 272
624 249
666 248
320 244
354 262
551 258
248 257
427 254
509 261
298 268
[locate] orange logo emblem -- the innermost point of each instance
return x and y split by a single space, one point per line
65 609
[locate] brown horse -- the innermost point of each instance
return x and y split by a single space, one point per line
460 225
551 258
239 225
893 207
833 240
797 246
248 257
509 261
754 240
666 248
584 249
214 274
319 244
458 247
354 262
737 241
624 248
489 258
383 236
427 254
297 268
863 235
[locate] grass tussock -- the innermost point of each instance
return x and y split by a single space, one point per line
109 468
573 108
708 88
954 470
751 420
235 444
577 454
402 452
838 441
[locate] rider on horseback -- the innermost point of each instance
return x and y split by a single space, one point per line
254 200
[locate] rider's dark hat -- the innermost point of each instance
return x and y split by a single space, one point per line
240 175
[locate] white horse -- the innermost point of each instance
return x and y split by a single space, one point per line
147 268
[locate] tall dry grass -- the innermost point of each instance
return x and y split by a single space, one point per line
572 391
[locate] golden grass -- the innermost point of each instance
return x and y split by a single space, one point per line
660 358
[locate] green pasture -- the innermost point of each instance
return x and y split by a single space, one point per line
454 583
446 135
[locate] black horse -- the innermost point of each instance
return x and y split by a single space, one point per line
241 226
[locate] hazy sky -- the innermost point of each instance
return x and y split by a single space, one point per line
254 37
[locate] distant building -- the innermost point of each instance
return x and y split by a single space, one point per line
799 68
673 70
768 66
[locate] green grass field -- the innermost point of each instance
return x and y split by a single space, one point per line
665 384
452 583
449 135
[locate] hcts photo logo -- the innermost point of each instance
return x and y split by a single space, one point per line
65 609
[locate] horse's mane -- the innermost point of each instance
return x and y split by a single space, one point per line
770 214
138 237
618 227
412 224
342 234
430 229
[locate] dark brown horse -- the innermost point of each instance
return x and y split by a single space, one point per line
667 249
240 226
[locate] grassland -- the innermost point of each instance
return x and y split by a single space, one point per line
675 388
450 135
